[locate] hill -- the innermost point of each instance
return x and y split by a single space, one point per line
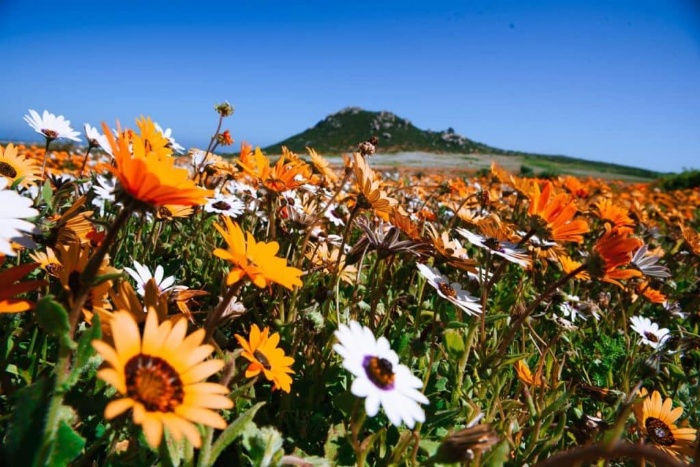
342 131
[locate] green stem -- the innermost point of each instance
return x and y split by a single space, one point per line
505 343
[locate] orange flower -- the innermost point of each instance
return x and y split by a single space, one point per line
619 217
265 357
147 173
323 166
569 265
282 176
10 287
653 295
553 215
370 191
613 250
256 260
526 376
656 420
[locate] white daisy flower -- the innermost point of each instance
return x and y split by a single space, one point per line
14 208
97 139
104 192
651 334
453 292
333 214
51 126
505 250
228 205
647 263
379 376
142 275
167 135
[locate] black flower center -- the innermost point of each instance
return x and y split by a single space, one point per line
379 371
164 212
7 170
447 289
221 206
659 432
262 359
154 383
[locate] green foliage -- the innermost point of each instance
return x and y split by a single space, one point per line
685 180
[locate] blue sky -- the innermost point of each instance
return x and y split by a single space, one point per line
616 81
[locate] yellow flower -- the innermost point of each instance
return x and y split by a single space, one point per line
264 356
147 173
655 420
14 167
162 377
256 260
47 261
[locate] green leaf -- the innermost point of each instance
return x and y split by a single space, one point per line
498 456
454 342
107 277
47 195
67 446
23 441
53 318
84 352
233 431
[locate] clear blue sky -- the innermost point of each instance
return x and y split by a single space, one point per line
610 80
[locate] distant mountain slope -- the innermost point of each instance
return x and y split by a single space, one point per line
342 131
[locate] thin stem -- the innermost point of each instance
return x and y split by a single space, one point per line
521 319
214 318
87 154
93 266
46 153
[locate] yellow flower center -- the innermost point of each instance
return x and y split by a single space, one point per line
154 383
379 371
262 359
659 432
7 170
447 289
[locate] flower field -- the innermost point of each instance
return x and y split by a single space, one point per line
173 307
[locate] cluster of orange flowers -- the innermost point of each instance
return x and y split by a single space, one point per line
581 230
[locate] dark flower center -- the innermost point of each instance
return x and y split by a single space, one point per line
221 205
651 336
447 289
659 432
165 212
494 244
379 371
7 170
50 134
262 359
54 268
154 383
